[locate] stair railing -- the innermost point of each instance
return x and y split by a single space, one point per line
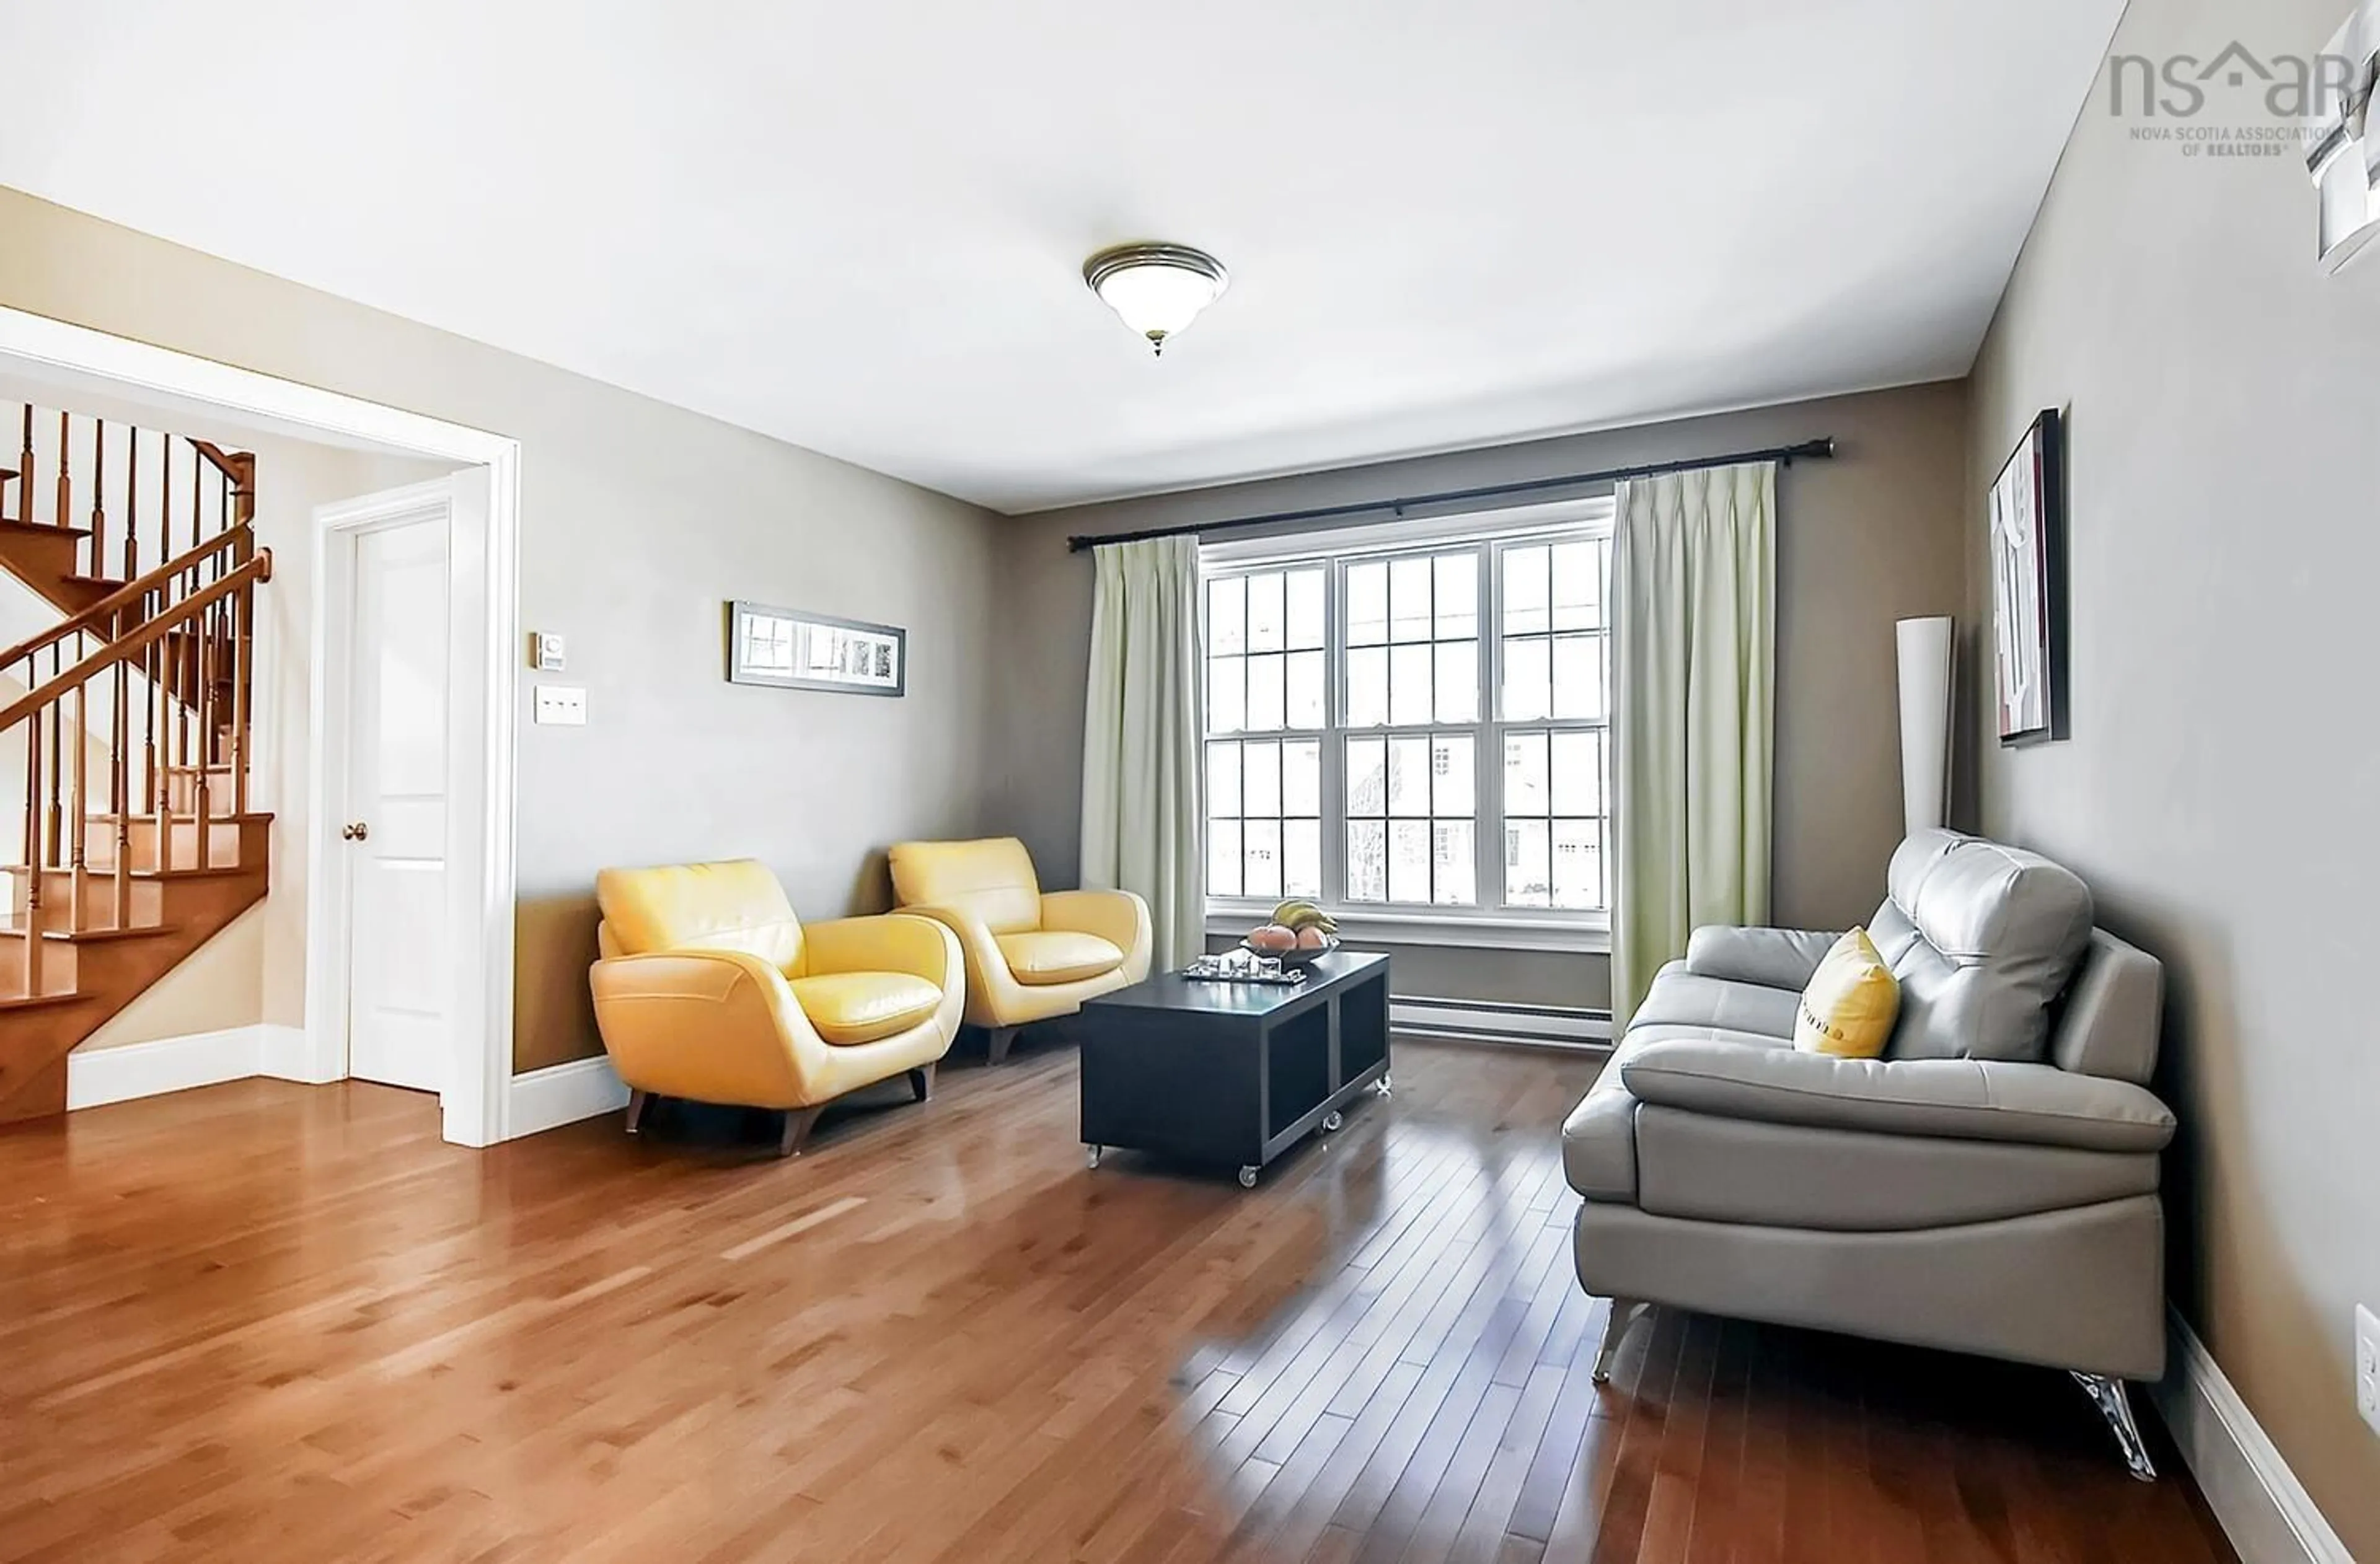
193 648
124 607
171 492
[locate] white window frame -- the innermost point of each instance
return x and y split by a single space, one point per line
1489 925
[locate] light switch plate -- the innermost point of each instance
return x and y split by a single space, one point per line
562 705
2367 1366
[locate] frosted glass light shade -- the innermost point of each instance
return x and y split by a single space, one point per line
1156 290
1925 649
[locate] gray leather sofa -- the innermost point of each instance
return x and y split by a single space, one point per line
1989 1186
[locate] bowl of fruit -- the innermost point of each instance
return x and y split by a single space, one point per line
1298 934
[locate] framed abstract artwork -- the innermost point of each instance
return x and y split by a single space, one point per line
794 651
2028 543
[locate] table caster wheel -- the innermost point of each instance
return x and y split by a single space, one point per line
1381 1086
1091 1157
1332 1121
1248 1178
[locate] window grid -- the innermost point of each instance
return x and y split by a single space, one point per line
1267 638
1491 656
1553 705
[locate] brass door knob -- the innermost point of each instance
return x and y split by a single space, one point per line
355 831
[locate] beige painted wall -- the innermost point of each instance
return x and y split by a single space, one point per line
2218 788
639 521
1868 537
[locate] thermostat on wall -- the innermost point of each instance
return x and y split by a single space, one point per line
545 652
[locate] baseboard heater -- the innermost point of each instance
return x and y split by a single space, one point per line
1484 1020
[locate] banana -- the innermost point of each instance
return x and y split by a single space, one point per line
1300 914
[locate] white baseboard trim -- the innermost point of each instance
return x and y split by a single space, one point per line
561 1094
1485 1021
98 1076
287 1053
2264 1509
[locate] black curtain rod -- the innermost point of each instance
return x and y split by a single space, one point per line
1814 450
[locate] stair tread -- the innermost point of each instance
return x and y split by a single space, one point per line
96 936
252 817
110 582
44 528
34 1001
193 872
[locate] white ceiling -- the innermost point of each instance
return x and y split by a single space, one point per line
859 227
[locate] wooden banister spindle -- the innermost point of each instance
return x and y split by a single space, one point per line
57 754
161 736
197 504
132 506
180 640
119 790
204 627
65 514
148 715
166 499
244 661
33 856
25 472
97 543
77 808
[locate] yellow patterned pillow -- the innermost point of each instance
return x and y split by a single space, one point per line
1849 1007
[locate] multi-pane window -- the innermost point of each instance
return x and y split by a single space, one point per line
1358 705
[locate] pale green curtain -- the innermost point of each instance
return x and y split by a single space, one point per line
1694 588
1142 827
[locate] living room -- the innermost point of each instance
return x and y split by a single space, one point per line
946 529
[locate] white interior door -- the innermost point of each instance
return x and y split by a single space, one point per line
394 818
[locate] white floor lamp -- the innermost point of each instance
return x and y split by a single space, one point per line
1925 646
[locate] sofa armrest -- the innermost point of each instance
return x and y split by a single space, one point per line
1773 958
888 942
1120 917
1948 1098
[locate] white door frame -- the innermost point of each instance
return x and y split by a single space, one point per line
329 865
485 608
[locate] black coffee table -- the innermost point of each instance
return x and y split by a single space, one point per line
1232 1072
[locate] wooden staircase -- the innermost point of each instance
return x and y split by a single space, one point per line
130 721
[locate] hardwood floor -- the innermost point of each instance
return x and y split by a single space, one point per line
267 1322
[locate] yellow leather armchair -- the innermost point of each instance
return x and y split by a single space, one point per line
709 989
1029 956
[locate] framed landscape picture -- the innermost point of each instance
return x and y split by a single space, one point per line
2028 542
794 651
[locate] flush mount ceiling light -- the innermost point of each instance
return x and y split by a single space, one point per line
1156 290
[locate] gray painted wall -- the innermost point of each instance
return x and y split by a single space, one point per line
2219 787
1869 537
639 521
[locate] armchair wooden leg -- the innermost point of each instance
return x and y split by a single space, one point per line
996 1043
921 1081
798 1125
638 1102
